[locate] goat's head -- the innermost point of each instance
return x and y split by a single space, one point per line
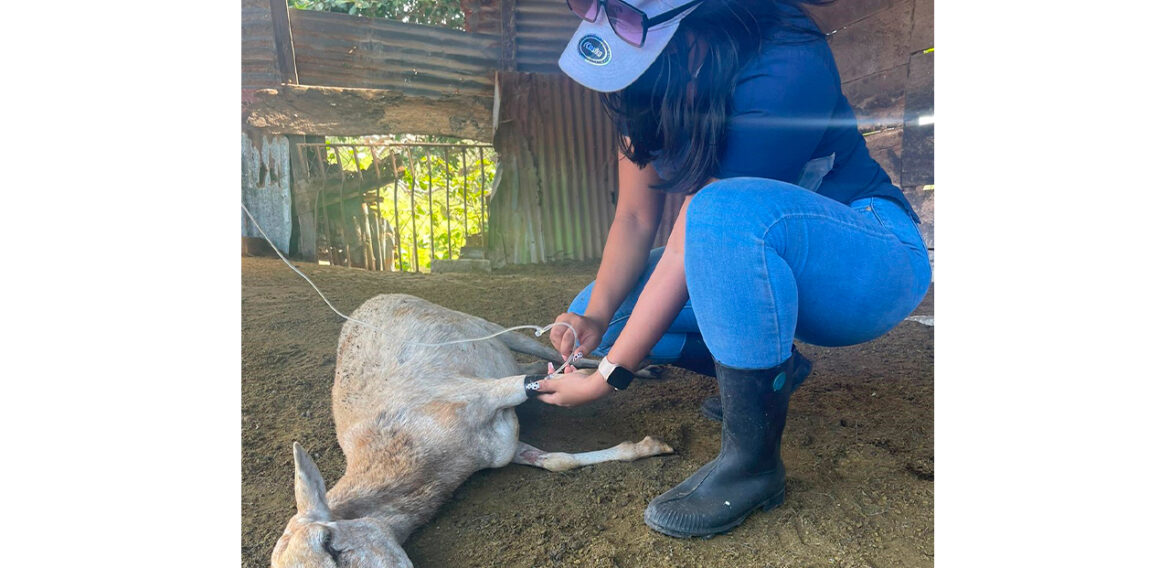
313 539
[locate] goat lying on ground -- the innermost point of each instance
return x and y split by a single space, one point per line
414 422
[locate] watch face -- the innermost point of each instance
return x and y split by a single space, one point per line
620 378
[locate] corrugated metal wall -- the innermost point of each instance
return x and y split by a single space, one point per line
557 181
481 16
543 27
337 50
258 65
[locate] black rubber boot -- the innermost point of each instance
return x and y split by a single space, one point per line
713 409
748 473
695 356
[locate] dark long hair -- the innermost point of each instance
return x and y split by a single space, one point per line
666 118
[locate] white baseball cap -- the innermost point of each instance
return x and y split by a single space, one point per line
599 59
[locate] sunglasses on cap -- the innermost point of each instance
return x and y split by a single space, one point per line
628 22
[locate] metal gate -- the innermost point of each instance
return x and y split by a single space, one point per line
397 206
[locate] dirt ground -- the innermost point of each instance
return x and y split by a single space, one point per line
859 445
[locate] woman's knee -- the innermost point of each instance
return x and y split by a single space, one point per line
581 302
578 305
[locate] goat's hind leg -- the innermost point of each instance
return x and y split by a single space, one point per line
560 461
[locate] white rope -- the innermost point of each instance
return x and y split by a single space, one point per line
327 303
539 330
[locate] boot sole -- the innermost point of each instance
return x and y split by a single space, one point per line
768 504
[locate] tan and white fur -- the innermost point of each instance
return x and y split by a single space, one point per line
414 423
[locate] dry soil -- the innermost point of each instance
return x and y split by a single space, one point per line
858 447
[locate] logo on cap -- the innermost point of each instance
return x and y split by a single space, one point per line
594 50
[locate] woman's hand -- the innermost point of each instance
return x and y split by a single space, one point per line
589 332
572 389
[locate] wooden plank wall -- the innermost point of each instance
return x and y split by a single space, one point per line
885 52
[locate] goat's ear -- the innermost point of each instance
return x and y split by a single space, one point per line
309 486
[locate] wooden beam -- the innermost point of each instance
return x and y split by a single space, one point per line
336 111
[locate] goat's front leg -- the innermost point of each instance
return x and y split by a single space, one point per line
560 461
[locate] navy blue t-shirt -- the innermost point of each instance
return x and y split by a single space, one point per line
791 122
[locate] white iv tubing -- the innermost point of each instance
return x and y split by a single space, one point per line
539 330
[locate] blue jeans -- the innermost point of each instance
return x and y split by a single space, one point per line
768 262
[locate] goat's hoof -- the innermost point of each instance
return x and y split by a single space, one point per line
650 446
651 372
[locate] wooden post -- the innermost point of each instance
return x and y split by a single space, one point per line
397 224
285 58
304 201
345 227
387 254
367 237
376 227
507 35
413 228
359 251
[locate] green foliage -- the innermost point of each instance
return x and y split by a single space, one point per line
444 13
443 198
434 190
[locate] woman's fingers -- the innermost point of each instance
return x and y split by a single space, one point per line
584 338
549 388
589 343
572 389
566 347
558 333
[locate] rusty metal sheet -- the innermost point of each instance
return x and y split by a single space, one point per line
258 65
350 51
543 27
558 170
